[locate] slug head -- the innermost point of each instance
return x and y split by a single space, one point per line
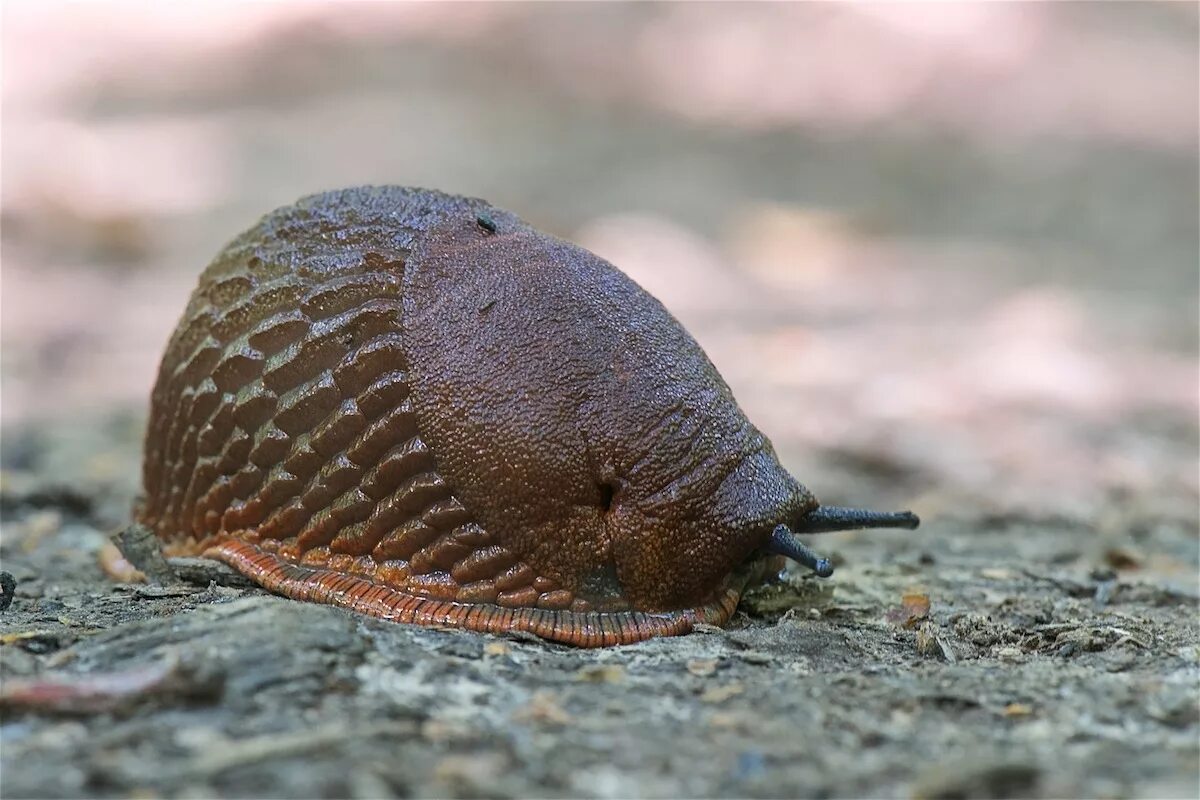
582 425
738 528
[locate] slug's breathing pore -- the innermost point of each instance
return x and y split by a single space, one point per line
416 406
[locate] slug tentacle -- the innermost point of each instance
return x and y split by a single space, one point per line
824 519
784 543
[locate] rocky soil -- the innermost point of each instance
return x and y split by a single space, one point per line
1040 666
949 267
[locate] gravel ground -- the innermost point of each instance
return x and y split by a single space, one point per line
1038 669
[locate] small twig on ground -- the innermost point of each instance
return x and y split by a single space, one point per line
220 758
206 571
1054 626
1125 636
97 693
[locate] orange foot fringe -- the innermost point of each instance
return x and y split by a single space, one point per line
593 629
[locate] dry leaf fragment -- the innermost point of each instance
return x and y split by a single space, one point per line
18 636
1123 558
496 649
117 567
914 607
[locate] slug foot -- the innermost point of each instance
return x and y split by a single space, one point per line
591 629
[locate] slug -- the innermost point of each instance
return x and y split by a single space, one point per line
416 406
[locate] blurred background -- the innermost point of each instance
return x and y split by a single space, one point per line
946 255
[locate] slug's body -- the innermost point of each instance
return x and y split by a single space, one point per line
416 406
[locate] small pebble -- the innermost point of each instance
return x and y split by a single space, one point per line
496 649
997 574
8 590
719 694
756 657
601 673
1009 654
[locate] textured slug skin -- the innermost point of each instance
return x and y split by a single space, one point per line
416 406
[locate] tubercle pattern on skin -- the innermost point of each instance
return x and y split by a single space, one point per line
285 421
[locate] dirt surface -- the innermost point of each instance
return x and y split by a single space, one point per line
960 278
1039 670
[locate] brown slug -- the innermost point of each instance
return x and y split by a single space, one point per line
416 406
